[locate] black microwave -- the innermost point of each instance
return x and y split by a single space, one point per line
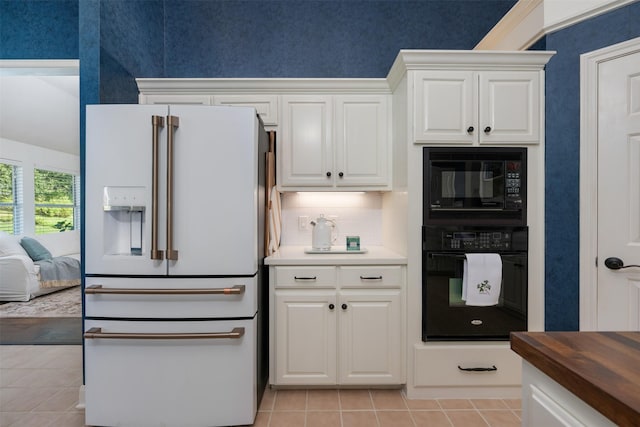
475 185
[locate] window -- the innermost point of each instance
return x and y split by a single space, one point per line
11 199
57 201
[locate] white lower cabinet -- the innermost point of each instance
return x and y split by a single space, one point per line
547 403
305 337
339 333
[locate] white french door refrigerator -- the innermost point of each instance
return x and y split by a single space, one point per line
174 214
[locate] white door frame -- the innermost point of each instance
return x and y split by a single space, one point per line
589 63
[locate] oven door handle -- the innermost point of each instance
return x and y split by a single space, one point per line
462 256
98 289
96 333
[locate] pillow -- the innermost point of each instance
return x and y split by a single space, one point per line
36 251
10 245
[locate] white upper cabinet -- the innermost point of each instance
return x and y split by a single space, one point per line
361 141
305 149
446 106
509 104
334 142
477 107
266 105
166 99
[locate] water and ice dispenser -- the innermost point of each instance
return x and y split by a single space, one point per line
124 209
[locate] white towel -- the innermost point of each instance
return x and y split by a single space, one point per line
275 221
482 279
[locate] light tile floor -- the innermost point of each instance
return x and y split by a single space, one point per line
39 387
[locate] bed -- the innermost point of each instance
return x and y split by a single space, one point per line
34 266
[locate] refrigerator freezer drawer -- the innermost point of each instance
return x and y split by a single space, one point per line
200 379
170 298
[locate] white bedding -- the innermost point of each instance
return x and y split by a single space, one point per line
19 275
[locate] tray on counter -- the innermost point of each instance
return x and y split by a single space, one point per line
335 251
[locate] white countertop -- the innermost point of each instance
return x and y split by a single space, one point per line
295 255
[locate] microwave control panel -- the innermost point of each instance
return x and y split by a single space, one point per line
513 185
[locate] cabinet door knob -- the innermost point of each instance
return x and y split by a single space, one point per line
470 129
341 174
487 129
344 306
328 174
331 306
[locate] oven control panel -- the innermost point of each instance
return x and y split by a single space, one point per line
476 240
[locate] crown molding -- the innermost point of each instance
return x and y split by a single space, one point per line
212 86
528 21
475 60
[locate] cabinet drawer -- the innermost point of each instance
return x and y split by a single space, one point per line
440 365
371 276
303 277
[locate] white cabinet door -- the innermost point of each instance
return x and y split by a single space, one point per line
306 154
361 140
509 106
445 106
166 99
370 349
266 105
305 337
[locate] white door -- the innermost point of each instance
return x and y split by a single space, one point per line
618 294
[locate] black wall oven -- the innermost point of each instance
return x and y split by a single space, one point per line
445 316
475 204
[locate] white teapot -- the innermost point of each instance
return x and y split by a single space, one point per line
322 236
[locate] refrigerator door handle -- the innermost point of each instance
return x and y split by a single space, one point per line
98 289
172 122
157 122
96 333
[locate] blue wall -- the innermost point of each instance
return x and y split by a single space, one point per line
46 29
316 38
563 155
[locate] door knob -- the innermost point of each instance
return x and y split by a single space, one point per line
616 263
331 306
487 129
344 306
470 129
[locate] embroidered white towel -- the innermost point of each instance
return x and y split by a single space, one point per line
481 280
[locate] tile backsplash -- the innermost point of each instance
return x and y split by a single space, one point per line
358 214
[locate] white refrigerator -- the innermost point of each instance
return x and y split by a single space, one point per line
175 328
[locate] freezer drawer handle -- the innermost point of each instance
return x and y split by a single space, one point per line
98 289
312 278
96 333
370 277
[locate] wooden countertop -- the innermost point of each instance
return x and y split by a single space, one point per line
601 368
